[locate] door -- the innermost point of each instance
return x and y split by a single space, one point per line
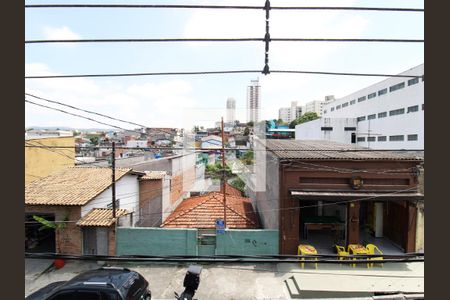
206 242
95 241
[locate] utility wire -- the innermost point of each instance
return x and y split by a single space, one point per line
399 9
222 40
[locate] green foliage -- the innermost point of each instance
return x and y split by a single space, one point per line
246 131
309 116
248 158
216 171
46 224
238 183
94 140
250 124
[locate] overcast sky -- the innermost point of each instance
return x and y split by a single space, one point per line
172 101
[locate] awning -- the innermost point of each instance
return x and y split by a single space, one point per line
363 195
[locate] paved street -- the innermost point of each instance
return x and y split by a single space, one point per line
243 281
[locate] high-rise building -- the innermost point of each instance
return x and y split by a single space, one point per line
253 101
289 114
231 110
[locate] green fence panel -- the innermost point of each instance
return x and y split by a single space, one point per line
156 241
247 242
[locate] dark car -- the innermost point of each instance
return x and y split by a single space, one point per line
107 283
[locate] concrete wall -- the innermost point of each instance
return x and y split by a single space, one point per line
312 130
127 192
156 241
404 124
41 162
247 242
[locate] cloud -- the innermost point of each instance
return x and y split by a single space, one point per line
60 33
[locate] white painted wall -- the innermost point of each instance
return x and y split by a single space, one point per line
404 124
312 130
127 192
137 143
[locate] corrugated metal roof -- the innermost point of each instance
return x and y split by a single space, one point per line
71 186
152 175
327 150
101 217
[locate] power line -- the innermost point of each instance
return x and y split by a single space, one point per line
399 9
217 73
222 40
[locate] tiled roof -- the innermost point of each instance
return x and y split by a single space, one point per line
203 211
101 217
327 150
152 175
231 190
71 186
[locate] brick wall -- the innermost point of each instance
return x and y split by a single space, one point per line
69 239
181 183
150 202
112 240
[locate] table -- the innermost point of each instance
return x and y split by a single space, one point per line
356 249
306 250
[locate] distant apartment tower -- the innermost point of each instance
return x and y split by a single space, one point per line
231 110
253 101
289 114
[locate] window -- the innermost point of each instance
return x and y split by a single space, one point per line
371 139
326 128
325 111
397 112
423 106
382 115
332 108
396 138
373 95
338 107
352 102
349 128
382 139
397 87
413 81
361 99
371 117
344 104
361 139
382 92
353 138
413 137
413 108
363 118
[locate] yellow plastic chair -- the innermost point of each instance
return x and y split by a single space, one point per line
341 252
306 250
373 249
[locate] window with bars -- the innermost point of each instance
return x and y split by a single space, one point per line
397 86
396 112
360 99
371 117
413 81
382 92
396 138
413 108
382 115
373 95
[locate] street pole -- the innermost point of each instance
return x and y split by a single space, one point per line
223 180
113 167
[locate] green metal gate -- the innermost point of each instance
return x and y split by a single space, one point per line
206 242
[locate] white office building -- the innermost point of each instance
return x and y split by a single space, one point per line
231 110
253 101
389 114
341 130
289 114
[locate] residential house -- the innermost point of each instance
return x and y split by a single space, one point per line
82 197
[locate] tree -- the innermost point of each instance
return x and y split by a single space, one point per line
246 131
250 124
94 140
309 116
248 158
238 183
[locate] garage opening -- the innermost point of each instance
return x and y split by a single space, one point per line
38 238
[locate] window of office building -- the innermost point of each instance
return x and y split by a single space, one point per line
397 112
360 99
382 92
423 106
371 117
373 95
413 108
338 107
361 139
344 104
382 138
359 119
325 111
326 128
397 87
413 81
349 128
352 102
371 139
413 137
396 138
382 115
332 108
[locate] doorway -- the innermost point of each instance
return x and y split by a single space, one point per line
38 238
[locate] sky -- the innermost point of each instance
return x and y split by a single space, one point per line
182 101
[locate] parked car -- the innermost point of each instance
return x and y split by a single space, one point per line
107 283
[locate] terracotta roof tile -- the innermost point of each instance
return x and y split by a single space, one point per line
203 211
101 217
71 186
